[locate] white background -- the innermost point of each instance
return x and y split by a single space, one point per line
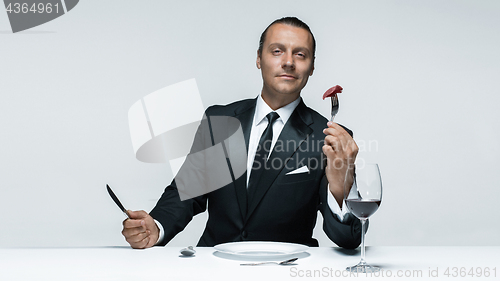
420 96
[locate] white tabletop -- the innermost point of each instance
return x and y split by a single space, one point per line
165 263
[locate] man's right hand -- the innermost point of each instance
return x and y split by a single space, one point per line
140 230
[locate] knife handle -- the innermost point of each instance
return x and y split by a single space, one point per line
127 214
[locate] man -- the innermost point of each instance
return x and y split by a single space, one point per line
277 203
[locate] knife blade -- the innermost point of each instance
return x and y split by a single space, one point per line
113 196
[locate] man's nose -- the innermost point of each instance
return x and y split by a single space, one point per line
288 61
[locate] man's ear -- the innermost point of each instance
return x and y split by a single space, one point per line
312 70
258 59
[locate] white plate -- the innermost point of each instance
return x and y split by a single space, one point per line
260 249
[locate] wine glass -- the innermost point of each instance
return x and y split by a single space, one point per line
362 196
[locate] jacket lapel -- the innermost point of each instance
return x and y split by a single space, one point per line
293 134
245 115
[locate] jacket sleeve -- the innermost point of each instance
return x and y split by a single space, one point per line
172 212
345 233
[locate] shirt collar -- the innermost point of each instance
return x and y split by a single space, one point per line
262 109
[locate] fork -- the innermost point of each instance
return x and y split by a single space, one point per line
287 262
335 106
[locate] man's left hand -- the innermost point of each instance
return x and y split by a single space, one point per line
340 150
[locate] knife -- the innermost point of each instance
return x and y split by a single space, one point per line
113 196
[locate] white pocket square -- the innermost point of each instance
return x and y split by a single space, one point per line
300 170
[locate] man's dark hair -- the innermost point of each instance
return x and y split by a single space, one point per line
292 21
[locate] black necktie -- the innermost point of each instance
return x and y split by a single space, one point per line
259 163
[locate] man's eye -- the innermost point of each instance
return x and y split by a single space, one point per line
277 52
301 55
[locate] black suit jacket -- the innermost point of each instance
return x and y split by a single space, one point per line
283 208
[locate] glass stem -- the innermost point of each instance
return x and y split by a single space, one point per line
363 241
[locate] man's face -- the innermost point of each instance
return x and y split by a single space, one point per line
286 61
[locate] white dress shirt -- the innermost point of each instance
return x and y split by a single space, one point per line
259 124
